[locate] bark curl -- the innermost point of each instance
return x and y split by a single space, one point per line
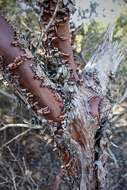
18 62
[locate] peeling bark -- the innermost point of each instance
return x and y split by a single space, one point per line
58 34
77 146
18 61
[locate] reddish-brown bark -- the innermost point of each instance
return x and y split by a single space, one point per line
59 35
63 43
43 100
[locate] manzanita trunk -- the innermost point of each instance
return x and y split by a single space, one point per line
18 61
78 118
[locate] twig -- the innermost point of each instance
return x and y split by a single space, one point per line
20 125
49 24
21 134
13 179
53 17
7 95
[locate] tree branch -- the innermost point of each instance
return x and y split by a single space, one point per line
17 62
58 32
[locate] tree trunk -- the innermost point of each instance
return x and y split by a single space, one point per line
62 152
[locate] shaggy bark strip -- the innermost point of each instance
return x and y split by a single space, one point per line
18 61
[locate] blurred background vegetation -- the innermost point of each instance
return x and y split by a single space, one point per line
24 16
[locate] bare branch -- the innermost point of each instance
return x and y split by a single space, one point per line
10 141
